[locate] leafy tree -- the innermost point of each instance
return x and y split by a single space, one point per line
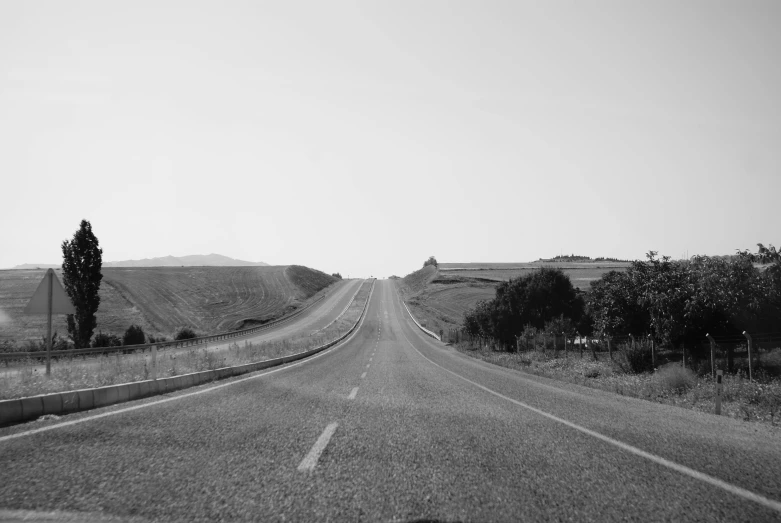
134 335
81 264
337 275
106 340
430 261
613 303
477 320
528 301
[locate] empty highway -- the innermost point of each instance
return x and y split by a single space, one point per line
390 426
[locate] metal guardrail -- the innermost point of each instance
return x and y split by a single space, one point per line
10 356
421 327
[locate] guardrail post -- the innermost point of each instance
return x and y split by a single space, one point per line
712 355
154 362
748 337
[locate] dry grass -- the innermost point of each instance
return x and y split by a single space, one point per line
758 400
80 373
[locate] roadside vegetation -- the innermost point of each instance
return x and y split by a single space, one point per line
77 373
643 328
757 400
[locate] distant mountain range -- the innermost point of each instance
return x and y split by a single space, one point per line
194 260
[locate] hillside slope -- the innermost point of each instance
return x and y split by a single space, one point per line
161 299
439 300
441 295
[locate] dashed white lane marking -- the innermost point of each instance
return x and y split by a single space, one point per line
733 489
371 357
368 365
363 375
353 394
310 461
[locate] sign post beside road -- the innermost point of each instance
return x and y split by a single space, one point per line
49 298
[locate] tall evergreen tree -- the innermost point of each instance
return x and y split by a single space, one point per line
81 276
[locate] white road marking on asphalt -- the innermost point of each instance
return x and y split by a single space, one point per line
367 366
310 461
202 391
363 375
353 394
732 489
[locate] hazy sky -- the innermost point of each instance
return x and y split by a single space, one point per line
364 137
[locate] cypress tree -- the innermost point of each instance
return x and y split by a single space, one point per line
81 276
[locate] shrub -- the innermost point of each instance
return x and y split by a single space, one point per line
635 360
134 335
676 379
106 340
185 333
337 275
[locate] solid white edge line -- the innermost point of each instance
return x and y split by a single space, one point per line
310 461
732 489
189 394
353 394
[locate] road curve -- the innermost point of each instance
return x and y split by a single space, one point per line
393 426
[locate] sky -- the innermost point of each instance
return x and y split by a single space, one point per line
364 137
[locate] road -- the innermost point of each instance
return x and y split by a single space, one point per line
311 320
392 426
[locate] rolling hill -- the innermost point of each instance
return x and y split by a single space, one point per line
161 299
440 296
194 260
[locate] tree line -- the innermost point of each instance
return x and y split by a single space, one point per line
675 302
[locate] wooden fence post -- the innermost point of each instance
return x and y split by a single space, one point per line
712 355
748 337
653 356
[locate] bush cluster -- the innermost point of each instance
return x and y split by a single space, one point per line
184 333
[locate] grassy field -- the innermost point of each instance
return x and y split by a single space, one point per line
581 274
161 299
440 296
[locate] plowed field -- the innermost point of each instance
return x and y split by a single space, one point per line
161 299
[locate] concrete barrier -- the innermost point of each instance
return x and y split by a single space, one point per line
70 401
105 396
52 403
11 410
32 407
26 409
86 399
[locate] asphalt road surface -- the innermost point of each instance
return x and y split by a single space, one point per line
391 426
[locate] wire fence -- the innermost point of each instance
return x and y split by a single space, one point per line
753 354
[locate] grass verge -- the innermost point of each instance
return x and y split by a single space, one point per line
757 401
